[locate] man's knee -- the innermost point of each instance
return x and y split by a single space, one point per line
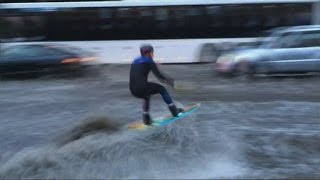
138 95
162 89
154 88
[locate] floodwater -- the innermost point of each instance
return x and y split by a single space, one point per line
54 127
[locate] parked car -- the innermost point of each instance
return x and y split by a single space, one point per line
288 50
43 58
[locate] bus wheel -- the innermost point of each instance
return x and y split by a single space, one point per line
209 53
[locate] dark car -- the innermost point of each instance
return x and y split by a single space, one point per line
289 50
32 58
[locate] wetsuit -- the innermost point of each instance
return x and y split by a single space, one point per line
139 85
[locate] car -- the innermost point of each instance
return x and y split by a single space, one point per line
287 50
52 58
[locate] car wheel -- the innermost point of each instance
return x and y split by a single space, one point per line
245 68
209 53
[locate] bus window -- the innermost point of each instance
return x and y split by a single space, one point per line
9 27
215 16
299 14
161 14
272 15
195 17
194 11
105 18
162 17
124 18
143 20
105 13
145 12
254 18
176 17
123 12
27 27
231 17
213 10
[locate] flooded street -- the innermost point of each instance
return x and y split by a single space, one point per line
268 127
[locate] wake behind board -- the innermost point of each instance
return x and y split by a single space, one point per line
165 120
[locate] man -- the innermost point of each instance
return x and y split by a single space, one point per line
141 88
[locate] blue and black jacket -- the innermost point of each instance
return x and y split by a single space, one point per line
140 69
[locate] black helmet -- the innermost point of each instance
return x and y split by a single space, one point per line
146 48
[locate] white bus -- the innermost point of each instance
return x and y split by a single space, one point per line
180 30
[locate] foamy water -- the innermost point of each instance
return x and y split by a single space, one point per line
176 151
75 129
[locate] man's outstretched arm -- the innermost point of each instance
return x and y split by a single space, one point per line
155 70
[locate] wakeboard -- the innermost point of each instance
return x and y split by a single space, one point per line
165 120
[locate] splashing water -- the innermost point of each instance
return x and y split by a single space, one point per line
98 148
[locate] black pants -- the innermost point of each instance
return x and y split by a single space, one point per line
148 91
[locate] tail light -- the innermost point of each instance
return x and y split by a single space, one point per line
75 60
86 59
70 60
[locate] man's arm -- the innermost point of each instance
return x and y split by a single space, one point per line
160 76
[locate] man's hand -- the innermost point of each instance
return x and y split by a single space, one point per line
169 82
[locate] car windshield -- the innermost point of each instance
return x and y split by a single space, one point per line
292 40
14 51
69 49
281 40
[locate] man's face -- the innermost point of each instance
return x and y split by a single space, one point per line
151 54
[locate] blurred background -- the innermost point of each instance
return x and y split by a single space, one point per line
252 64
